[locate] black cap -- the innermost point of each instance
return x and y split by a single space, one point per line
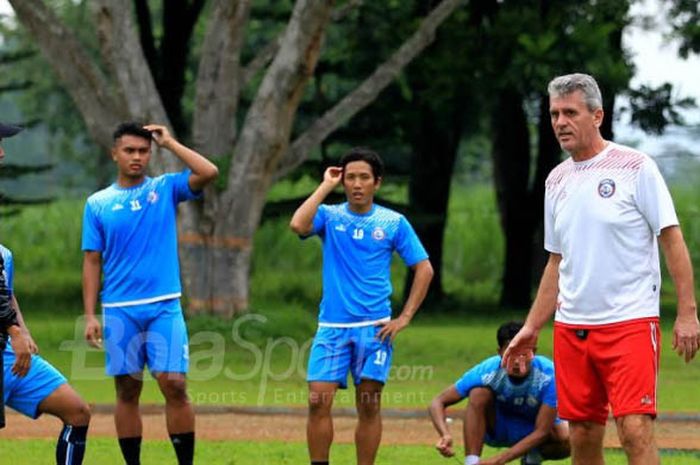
9 130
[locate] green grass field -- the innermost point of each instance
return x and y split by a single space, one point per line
106 452
260 359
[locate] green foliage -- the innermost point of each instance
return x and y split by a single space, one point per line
653 109
685 22
45 240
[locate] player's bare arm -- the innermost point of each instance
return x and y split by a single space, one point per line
523 345
437 408
203 170
33 347
543 426
686 330
303 219
92 267
422 275
22 348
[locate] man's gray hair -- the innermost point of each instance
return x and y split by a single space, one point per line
570 83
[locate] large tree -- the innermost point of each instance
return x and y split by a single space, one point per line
120 83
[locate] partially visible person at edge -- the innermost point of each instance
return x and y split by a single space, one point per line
130 234
355 330
44 389
605 207
507 408
9 325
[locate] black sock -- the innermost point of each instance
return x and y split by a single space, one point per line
70 448
131 450
184 447
316 462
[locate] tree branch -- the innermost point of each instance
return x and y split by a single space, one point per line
143 16
368 91
267 53
123 53
14 57
15 86
218 78
81 77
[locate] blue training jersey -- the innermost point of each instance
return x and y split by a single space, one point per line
135 230
9 267
9 278
357 250
522 399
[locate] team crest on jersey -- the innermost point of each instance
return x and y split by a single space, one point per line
152 197
606 188
378 234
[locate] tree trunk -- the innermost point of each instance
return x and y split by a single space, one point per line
216 236
434 152
263 140
511 165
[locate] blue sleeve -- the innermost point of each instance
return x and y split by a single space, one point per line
473 378
319 225
93 238
180 183
408 245
9 269
549 393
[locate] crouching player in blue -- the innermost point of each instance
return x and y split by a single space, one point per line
44 390
355 329
512 409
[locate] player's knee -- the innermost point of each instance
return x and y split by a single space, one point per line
635 432
369 404
480 398
128 390
79 415
320 402
175 390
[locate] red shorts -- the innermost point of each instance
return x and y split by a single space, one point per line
615 365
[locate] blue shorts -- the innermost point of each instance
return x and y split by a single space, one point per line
151 334
335 351
510 429
26 393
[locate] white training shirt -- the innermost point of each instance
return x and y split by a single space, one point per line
603 215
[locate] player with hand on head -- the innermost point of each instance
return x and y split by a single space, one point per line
514 408
355 329
130 235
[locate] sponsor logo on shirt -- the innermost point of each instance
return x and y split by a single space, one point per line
606 188
117 206
341 227
378 234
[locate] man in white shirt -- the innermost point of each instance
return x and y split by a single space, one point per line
605 206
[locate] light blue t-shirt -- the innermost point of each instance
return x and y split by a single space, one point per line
9 267
357 251
521 399
135 230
